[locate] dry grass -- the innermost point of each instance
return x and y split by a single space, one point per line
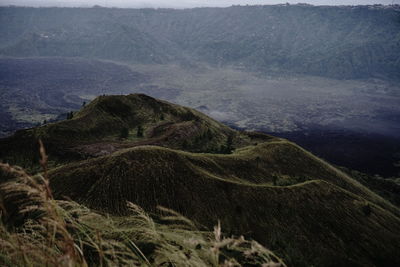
37 230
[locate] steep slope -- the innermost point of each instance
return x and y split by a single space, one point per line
35 229
272 163
324 218
60 32
341 42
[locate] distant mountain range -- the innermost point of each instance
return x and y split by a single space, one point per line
340 42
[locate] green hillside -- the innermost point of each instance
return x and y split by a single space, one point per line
341 42
35 230
153 153
239 190
111 123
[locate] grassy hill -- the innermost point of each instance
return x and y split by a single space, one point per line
152 153
111 123
35 229
298 216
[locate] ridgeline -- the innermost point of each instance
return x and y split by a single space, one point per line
153 153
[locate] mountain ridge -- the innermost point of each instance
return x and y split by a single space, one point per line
264 187
152 176
340 42
102 122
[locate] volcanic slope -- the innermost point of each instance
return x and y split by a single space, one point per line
323 217
272 190
111 123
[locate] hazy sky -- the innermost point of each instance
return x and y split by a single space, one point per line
185 3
